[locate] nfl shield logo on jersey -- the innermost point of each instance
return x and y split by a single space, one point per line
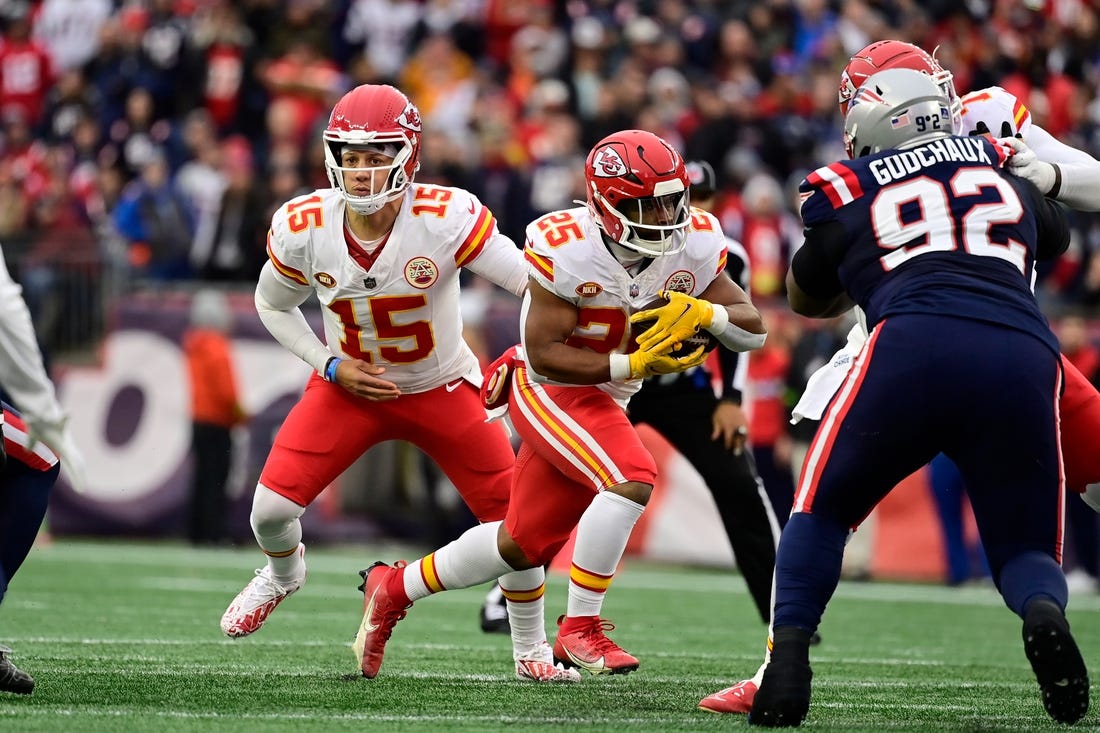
634 290
370 283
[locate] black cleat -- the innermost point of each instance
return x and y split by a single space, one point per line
1056 661
494 615
784 695
13 679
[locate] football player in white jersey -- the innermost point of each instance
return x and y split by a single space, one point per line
382 254
582 464
1060 172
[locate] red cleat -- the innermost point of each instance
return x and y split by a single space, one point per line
586 646
380 615
737 699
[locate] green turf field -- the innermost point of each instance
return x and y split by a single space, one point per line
124 637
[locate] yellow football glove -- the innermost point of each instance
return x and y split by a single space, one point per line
654 362
680 318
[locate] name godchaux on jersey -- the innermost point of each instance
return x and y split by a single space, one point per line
907 162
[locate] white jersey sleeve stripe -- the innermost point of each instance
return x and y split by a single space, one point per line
475 241
285 270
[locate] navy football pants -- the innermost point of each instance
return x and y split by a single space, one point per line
984 395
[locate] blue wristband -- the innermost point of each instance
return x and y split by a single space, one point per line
330 368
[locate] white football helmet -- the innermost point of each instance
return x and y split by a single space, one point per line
897 108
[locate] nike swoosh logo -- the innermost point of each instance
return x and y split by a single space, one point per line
367 627
472 209
586 664
453 387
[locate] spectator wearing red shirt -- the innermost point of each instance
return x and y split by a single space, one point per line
1082 522
309 81
26 72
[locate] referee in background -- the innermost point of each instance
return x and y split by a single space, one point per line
709 430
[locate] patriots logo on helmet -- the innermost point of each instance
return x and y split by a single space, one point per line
866 95
410 118
609 164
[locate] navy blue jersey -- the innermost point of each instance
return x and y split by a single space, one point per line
938 229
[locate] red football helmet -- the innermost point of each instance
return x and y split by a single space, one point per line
381 118
882 55
638 192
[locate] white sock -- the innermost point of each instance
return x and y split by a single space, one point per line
602 534
494 595
470 560
278 531
759 676
525 591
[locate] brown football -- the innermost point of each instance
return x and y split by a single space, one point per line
702 337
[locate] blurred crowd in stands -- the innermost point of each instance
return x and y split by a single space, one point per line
146 141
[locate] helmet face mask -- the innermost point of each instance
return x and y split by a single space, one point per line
378 122
891 54
638 192
897 108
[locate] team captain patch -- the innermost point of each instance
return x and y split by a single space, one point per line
420 272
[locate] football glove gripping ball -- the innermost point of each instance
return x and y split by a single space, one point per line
655 362
677 320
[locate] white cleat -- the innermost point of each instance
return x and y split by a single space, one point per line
539 666
252 606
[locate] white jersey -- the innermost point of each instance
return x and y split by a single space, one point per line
401 311
566 255
994 106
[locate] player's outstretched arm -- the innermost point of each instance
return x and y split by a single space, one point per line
1079 187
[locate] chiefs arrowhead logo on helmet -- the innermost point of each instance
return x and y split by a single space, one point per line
410 118
609 164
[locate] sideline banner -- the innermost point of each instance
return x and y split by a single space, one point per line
131 415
